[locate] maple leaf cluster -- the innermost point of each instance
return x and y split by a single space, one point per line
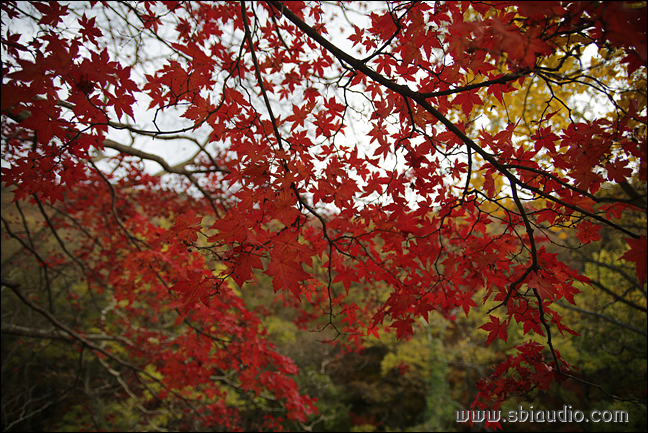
369 164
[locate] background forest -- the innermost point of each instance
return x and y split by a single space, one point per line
231 216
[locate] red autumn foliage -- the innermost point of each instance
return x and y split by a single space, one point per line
268 96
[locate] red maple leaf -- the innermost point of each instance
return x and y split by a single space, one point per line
300 114
52 12
89 30
467 302
495 329
199 110
467 100
545 288
383 25
588 232
287 272
185 228
245 261
637 253
232 228
403 327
